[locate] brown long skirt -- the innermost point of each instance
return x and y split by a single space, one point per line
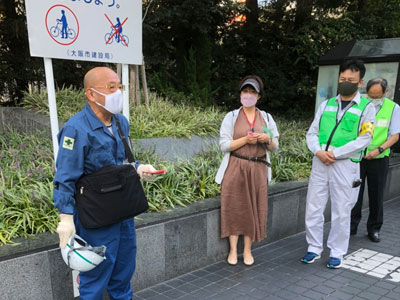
244 190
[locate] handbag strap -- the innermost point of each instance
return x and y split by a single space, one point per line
128 150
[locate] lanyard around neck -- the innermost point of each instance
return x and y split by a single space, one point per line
337 122
254 120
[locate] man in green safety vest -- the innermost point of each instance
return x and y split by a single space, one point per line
375 162
342 128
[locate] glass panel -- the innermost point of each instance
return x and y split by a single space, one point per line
376 47
327 83
384 70
328 80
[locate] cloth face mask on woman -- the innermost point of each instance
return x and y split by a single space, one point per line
113 102
248 100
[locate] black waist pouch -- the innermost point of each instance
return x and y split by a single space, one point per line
110 195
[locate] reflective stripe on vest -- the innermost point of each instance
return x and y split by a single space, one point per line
381 127
348 128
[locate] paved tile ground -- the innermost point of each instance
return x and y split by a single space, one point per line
278 273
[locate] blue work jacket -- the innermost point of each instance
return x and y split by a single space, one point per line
85 146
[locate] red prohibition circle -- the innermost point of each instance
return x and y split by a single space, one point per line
77 23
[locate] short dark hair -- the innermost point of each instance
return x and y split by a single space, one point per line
355 65
382 81
255 77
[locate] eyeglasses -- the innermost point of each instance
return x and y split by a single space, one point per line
374 99
112 86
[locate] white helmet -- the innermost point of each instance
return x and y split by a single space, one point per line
80 256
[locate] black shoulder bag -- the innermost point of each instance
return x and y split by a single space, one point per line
111 194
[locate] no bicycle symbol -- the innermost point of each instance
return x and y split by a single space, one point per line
62 24
116 33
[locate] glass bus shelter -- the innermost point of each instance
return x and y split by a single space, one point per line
381 58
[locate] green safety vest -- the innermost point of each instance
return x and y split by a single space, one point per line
381 127
347 129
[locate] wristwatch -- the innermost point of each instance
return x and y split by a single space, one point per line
380 149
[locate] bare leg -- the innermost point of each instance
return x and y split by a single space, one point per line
247 257
232 257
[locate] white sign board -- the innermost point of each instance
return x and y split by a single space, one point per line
92 30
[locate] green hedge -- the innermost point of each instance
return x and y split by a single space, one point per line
27 165
27 169
26 175
161 119
293 159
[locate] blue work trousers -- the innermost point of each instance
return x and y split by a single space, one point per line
114 274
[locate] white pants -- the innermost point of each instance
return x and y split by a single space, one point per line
334 181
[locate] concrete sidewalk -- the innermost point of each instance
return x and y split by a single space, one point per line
371 271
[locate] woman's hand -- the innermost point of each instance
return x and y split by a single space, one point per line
252 138
263 138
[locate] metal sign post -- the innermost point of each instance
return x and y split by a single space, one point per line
51 94
125 93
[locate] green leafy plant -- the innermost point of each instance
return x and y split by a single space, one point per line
26 173
161 119
26 205
185 182
164 118
293 159
69 102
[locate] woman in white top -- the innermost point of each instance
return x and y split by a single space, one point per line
246 136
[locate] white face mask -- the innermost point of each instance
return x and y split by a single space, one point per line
376 102
113 102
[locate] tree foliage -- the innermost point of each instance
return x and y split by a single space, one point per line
281 41
17 67
18 70
179 39
198 51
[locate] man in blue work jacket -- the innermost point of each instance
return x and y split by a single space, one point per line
87 142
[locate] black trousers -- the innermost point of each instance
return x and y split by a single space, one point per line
376 171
